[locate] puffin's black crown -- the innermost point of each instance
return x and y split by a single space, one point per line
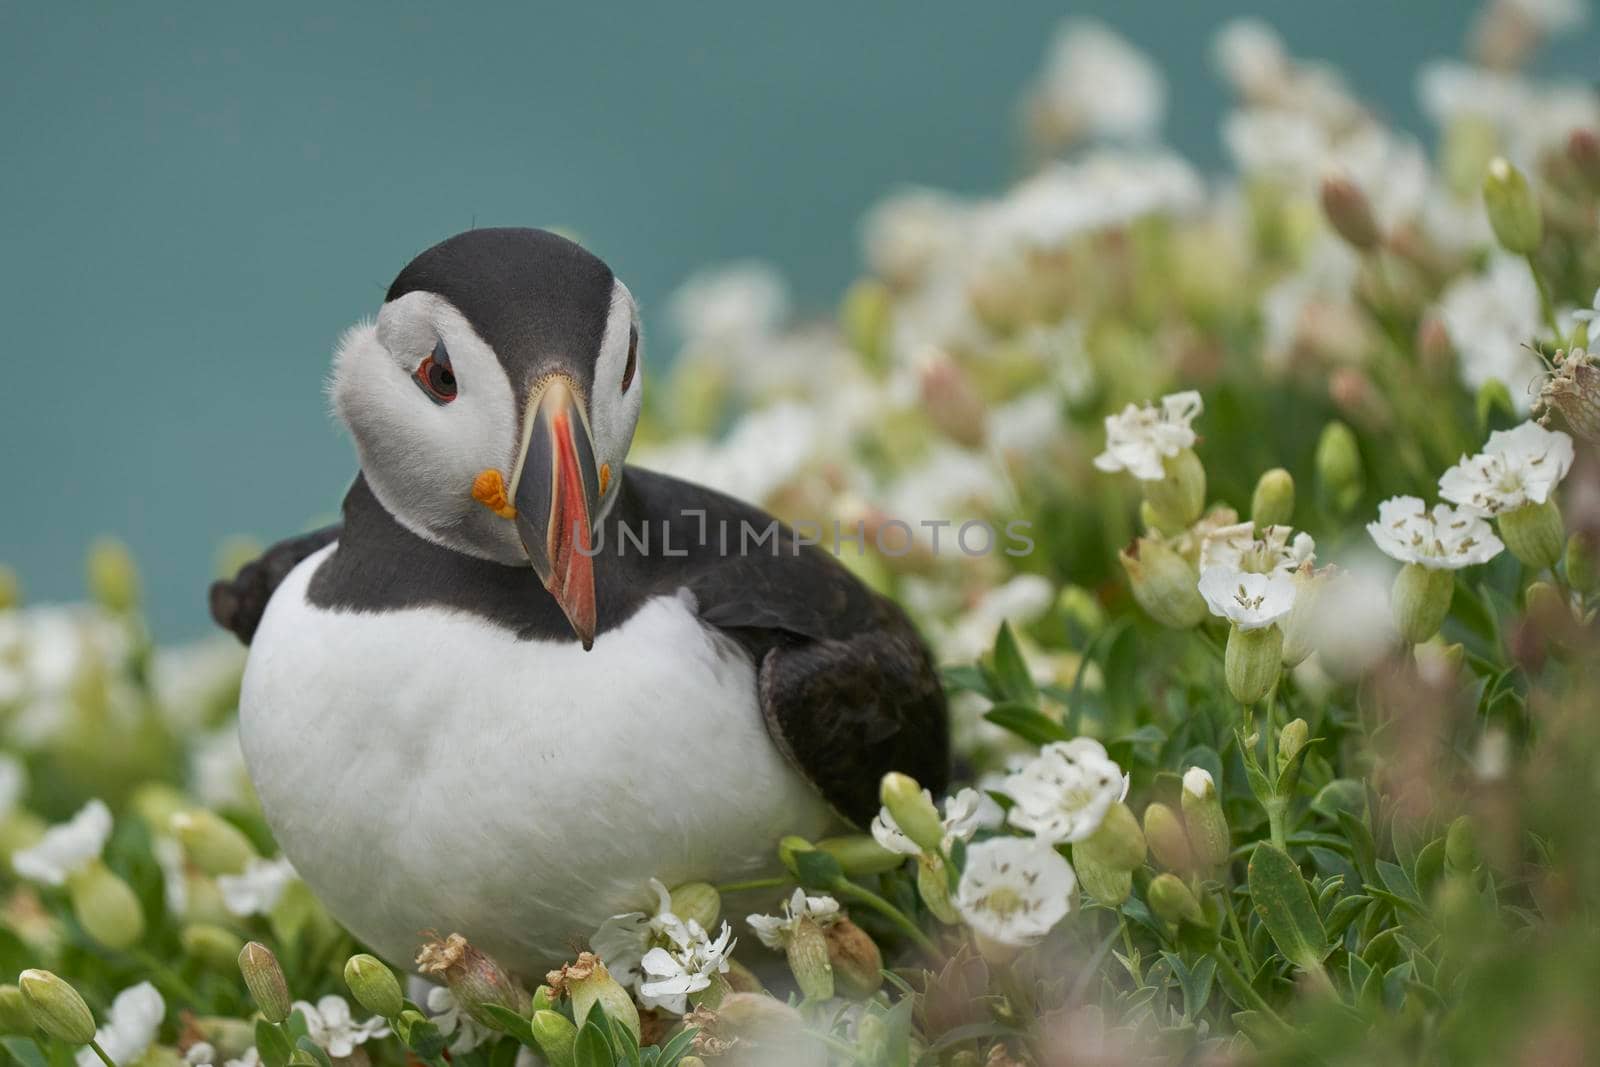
539 300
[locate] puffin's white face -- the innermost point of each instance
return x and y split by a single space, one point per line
433 410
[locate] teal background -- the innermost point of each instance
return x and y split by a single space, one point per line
196 199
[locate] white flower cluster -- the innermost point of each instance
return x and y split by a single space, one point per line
774 930
963 816
330 1024
1139 438
662 957
66 848
130 1027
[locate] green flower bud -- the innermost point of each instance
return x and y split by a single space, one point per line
56 1007
1350 213
699 901
214 946
807 951
113 577
1272 504
1164 583
788 847
857 962
1168 840
1107 884
1118 843
872 1038
912 810
10 588
264 978
212 843
1583 574
1150 521
556 1036
1513 209
860 855
1081 608
1535 534
15 1018
1203 818
374 985
106 907
156 803
1252 661
1179 496
588 983
1291 739
1172 901
1421 600
475 979
1340 478
1461 845
933 886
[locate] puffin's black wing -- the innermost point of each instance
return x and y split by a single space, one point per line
238 603
847 687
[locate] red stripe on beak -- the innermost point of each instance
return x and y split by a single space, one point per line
571 545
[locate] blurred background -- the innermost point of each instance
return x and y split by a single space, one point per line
195 203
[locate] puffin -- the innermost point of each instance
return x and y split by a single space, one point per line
521 678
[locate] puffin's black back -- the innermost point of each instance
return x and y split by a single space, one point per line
531 295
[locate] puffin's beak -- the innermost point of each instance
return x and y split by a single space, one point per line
557 491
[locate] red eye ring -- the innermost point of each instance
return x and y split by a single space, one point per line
436 379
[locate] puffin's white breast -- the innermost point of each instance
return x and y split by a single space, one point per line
424 769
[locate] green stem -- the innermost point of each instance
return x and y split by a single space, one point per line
1546 306
1275 807
1251 997
754 883
848 889
98 1051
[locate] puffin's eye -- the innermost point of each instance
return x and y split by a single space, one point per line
435 376
633 358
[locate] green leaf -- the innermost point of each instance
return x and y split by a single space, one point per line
1283 902
1363 849
592 1049
677 1048
511 1023
966 678
1010 670
1341 794
425 1040
1027 723
1343 913
314 1050
1428 867
1396 880
272 1044
1195 983
816 869
24 1050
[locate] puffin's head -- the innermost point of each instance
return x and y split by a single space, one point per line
494 399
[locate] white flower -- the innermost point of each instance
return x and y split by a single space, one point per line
200 1054
330 1025
1197 781
1442 539
1139 438
912 231
174 874
251 1058
451 1020
256 890
963 817
1249 601
1014 890
726 308
687 967
130 1027
66 848
1517 467
1238 547
622 940
1251 55
1491 318
1590 317
217 771
1096 82
774 930
1064 794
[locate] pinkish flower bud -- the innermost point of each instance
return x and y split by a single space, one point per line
474 978
1350 213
